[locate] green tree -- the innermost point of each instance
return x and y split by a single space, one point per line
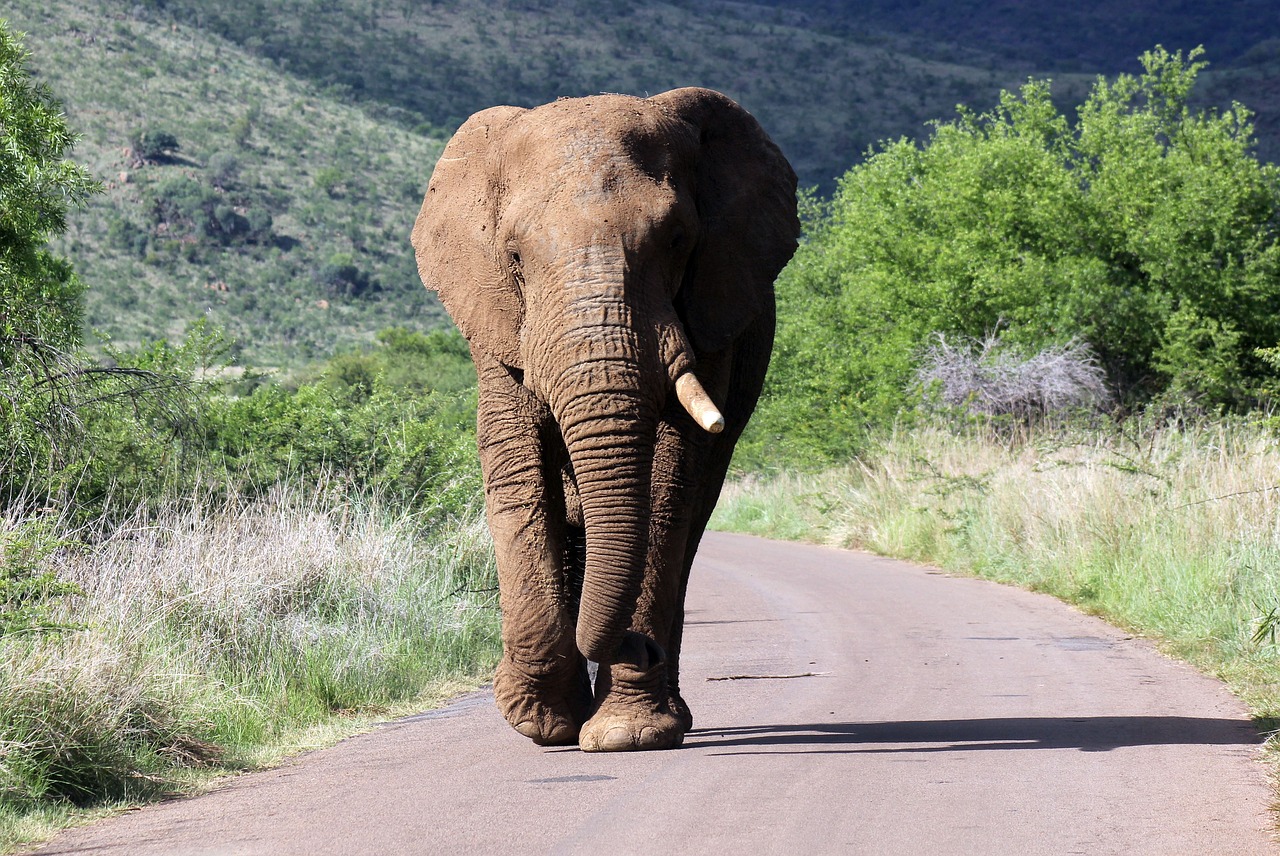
1143 228
39 293
40 308
153 146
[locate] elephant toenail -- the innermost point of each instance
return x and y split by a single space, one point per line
649 738
528 729
617 739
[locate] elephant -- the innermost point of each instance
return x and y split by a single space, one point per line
610 261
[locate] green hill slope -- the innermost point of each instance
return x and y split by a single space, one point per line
283 215
307 128
824 97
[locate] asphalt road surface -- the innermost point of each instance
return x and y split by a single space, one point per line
842 703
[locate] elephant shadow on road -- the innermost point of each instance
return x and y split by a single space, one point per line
1087 734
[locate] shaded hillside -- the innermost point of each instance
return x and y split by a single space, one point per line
1094 36
825 98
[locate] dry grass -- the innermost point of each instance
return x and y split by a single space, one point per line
216 640
1171 533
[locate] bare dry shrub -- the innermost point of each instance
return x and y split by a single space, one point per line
990 378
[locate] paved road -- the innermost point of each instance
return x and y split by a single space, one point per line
943 716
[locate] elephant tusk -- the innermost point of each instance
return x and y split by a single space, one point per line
695 400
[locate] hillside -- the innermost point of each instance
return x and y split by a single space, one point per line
283 215
825 98
306 130
828 79
1091 36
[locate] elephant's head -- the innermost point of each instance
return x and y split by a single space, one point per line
596 247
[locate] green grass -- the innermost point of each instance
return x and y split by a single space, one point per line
219 640
1169 533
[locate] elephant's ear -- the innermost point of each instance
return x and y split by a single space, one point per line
454 239
746 198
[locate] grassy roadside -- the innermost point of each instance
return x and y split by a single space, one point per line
1172 534
215 641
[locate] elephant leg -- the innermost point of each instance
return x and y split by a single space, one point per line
638 701
679 469
541 684
632 708
740 375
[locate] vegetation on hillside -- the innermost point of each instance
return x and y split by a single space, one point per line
824 97
1145 229
235 193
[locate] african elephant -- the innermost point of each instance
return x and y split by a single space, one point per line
600 254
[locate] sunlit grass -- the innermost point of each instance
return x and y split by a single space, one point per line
1172 533
224 639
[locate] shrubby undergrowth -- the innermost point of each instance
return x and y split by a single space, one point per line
192 570
167 421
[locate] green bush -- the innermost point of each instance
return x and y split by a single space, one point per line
184 208
29 590
39 293
397 420
223 170
1144 229
153 146
341 277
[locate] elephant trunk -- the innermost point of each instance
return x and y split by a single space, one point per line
601 377
606 374
612 459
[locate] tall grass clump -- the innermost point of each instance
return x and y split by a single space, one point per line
1172 531
210 639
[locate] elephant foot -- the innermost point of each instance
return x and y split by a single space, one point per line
546 708
633 710
678 706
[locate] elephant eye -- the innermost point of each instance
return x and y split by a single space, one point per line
515 259
677 239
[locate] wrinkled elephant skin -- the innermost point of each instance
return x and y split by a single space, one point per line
611 262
